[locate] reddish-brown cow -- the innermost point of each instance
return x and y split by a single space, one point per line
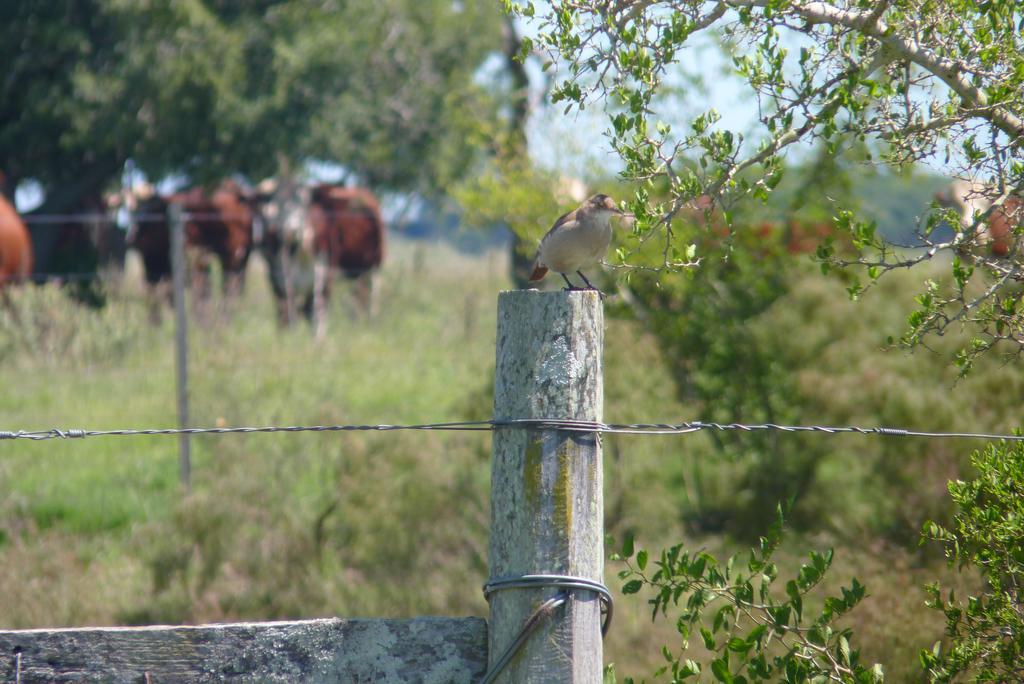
217 226
15 246
971 200
1002 224
349 231
348 227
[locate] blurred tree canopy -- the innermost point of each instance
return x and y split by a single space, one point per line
213 87
755 335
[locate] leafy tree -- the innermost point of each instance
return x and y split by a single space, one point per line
215 87
406 101
913 80
986 632
705 323
94 82
709 322
53 54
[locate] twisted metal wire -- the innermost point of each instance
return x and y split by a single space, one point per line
194 216
527 423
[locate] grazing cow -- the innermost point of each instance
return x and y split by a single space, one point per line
150 235
74 244
348 226
15 246
971 199
289 247
217 226
310 232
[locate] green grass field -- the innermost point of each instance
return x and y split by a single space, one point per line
98 531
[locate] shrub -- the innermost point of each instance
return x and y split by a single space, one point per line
986 633
751 631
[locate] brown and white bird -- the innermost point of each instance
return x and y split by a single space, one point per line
579 238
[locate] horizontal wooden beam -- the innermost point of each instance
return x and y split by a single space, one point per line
331 650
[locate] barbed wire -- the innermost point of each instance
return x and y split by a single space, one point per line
44 219
150 216
87 218
686 427
61 277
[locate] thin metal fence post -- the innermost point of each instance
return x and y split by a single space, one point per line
547 504
177 225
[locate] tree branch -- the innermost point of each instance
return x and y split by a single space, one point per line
948 70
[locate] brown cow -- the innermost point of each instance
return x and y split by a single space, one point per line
971 200
312 231
349 227
72 242
15 246
218 226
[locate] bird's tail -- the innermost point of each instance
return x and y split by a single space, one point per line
538 272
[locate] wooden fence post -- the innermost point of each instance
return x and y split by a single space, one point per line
547 503
177 226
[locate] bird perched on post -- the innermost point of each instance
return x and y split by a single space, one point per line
579 238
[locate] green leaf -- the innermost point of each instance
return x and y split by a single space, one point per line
641 560
720 616
780 615
689 669
844 650
709 640
738 645
627 546
632 586
720 669
796 600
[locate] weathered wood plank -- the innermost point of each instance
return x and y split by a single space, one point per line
546 486
424 650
